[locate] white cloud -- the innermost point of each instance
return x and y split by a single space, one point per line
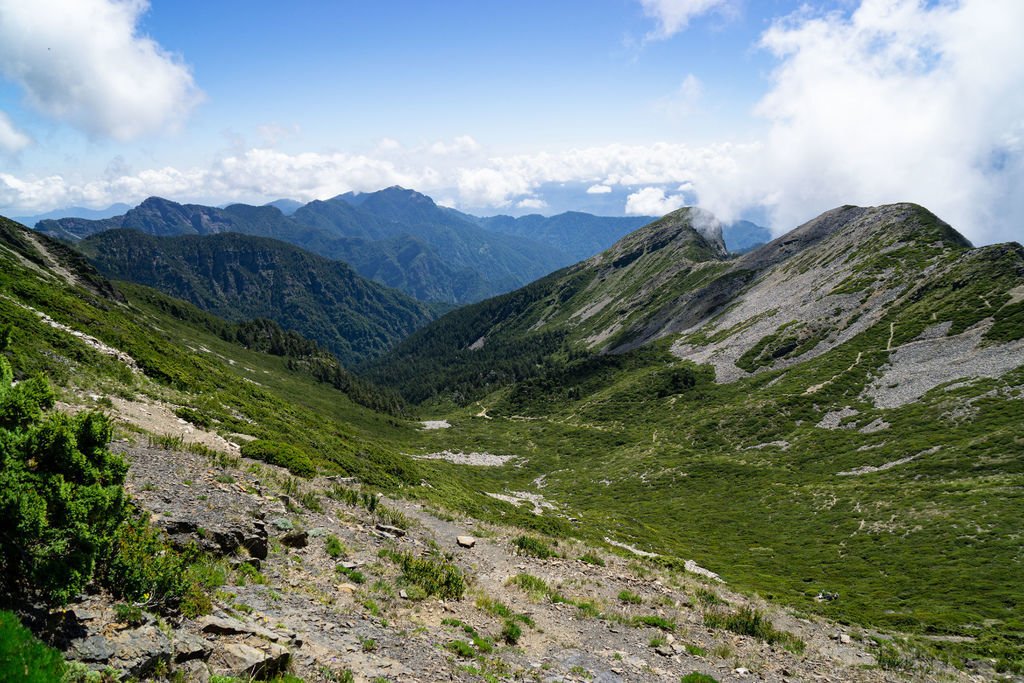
463 144
684 100
598 189
674 16
11 139
531 203
261 174
652 201
82 62
898 101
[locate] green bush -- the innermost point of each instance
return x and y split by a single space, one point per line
23 657
353 575
629 597
748 621
511 632
461 648
655 621
61 495
534 547
697 677
334 547
143 568
436 575
534 585
280 454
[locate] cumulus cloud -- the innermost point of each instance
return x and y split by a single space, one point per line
899 100
11 139
463 144
82 62
499 182
674 16
652 201
248 176
598 189
531 203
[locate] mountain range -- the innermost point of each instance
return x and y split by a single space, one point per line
397 237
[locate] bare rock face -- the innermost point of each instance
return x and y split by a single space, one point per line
248 661
191 505
97 639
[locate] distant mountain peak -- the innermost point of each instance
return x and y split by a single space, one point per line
692 233
285 206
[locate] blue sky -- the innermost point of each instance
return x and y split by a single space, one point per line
772 109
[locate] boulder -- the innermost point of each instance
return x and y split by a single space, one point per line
295 539
189 646
140 651
94 648
465 541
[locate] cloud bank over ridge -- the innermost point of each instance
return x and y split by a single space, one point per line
894 100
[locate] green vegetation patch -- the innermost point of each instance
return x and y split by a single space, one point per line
23 657
436 575
748 621
789 341
533 547
280 454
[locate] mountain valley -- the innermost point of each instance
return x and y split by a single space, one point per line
799 463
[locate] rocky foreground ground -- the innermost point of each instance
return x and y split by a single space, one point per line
294 600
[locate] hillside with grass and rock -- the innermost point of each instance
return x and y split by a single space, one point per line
663 463
834 413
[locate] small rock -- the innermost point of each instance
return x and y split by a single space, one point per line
845 638
222 626
402 594
465 541
295 539
194 670
389 529
741 671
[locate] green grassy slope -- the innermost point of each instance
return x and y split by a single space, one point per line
185 361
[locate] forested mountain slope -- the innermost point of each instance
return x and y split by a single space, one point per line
240 277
